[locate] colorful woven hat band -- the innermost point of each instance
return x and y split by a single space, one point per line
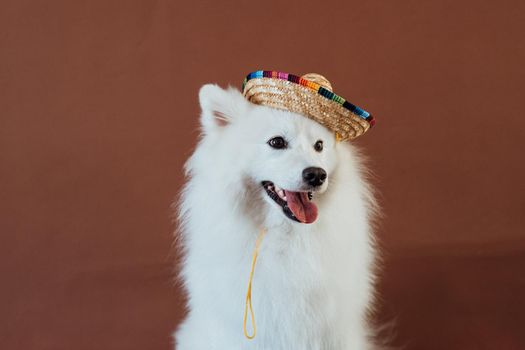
310 95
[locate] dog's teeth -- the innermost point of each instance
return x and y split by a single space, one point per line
281 194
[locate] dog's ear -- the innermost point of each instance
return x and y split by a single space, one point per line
220 107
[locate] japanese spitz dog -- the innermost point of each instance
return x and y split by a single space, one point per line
257 168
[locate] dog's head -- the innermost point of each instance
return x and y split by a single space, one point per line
284 160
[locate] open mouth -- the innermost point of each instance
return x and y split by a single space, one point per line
297 206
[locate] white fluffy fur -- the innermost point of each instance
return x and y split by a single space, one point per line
313 282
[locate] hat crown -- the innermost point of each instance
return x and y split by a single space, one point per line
319 79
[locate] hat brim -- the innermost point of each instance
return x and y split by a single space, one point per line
311 101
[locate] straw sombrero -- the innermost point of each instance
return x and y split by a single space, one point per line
310 95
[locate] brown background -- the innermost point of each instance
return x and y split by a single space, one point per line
98 110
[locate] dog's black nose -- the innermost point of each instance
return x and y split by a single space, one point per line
314 176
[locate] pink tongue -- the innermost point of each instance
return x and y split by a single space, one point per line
304 210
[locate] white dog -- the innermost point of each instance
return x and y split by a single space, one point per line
259 168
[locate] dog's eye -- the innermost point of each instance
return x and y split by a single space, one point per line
318 146
278 142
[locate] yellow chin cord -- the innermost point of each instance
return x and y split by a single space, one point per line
249 292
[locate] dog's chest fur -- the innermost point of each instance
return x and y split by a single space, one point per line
311 284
